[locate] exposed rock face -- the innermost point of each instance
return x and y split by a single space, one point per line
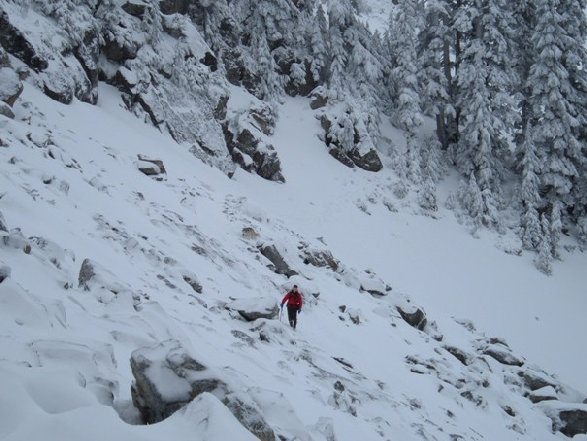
93 275
369 161
151 167
167 377
280 266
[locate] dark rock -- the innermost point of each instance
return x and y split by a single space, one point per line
114 51
338 386
341 157
265 119
221 108
269 165
275 257
250 416
134 8
574 422
370 161
154 399
15 43
417 318
249 233
247 142
174 6
545 394
511 412
210 61
87 55
4 272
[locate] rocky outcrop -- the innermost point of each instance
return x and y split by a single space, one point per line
166 378
93 276
244 134
349 142
320 259
279 265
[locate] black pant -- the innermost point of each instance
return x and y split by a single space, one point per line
292 315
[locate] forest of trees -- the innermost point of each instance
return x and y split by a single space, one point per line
503 81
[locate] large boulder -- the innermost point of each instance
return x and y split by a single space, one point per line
369 160
320 258
255 308
502 354
413 315
15 43
167 377
250 416
92 275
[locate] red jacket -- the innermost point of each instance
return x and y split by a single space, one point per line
293 299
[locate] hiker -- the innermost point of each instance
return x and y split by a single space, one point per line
294 305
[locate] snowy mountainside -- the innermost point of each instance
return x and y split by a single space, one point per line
101 263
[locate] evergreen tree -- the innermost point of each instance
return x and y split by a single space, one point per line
544 259
531 230
554 121
486 82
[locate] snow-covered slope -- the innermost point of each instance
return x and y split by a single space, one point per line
71 190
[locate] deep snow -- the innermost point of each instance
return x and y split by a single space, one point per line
68 174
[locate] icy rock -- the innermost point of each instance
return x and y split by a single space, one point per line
280 265
156 164
570 419
6 110
93 274
15 239
134 8
374 285
10 86
250 416
4 272
536 380
167 378
192 280
320 259
341 157
255 308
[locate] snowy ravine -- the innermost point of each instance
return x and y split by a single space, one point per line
100 262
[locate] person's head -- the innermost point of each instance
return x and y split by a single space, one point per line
295 288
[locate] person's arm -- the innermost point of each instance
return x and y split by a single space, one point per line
285 299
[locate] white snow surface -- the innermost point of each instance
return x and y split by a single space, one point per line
70 190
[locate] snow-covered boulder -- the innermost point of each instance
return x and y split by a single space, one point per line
167 377
373 285
249 415
413 315
320 258
94 275
255 308
543 394
15 239
568 418
10 85
535 380
502 354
